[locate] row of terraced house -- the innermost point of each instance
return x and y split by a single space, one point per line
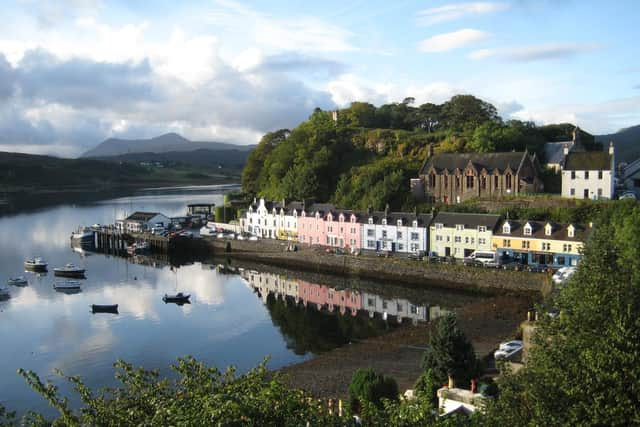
447 234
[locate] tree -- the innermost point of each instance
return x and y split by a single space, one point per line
468 112
362 114
369 386
449 353
583 366
257 157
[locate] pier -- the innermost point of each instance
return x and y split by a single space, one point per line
112 241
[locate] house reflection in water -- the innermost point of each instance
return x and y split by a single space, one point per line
344 301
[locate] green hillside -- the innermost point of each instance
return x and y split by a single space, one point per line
367 156
626 141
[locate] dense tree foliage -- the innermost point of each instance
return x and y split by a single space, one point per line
583 368
449 353
370 386
336 157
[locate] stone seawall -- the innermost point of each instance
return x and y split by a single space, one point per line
413 272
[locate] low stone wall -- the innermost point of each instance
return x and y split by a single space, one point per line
419 273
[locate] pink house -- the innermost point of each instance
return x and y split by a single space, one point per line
324 297
326 226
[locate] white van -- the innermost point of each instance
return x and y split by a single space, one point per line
484 257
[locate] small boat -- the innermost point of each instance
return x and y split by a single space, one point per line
83 234
104 308
69 270
35 264
178 298
138 248
18 281
67 285
4 293
227 269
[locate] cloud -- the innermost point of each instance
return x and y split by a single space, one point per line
543 52
508 109
7 78
454 40
600 118
295 62
452 12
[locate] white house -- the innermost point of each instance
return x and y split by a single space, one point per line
589 174
272 220
142 221
400 308
395 232
460 234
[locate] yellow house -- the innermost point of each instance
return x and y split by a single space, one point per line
460 234
539 242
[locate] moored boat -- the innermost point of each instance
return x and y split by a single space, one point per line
83 234
67 285
69 270
35 264
4 293
178 298
17 281
104 308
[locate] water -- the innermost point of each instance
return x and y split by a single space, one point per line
232 319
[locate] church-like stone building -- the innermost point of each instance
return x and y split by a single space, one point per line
456 177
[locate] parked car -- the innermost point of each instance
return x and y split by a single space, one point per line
563 274
507 349
253 238
340 251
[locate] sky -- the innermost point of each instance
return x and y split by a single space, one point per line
75 72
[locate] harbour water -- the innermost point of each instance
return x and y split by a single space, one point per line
232 319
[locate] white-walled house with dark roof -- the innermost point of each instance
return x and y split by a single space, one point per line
395 232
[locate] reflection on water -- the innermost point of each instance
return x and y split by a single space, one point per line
232 319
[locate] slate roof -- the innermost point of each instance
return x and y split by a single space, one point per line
554 151
558 231
141 216
469 220
588 160
488 161
392 218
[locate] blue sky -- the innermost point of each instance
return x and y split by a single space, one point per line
74 72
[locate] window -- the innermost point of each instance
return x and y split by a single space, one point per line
572 191
413 309
466 240
458 239
561 260
506 243
459 227
399 223
482 229
415 223
472 240
483 182
384 234
546 246
573 174
445 180
399 235
525 244
384 305
457 182
439 226
469 181
370 220
599 192
508 180
371 244
399 307
599 174
482 241
384 221
527 230
400 247
370 302
353 231
566 248
341 230
496 181
571 231
586 174
414 247
548 229
506 228
438 238
432 180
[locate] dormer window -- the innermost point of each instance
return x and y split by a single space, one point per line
482 229
459 227
353 219
548 229
415 223
506 228
329 217
399 223
571 231
341 218
528 229
384 221
370 221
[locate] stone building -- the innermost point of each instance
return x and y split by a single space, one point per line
455 177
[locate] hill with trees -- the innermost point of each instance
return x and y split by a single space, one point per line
363 156
626 141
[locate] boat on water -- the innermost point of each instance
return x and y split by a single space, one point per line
4 293
67 285
17 281
178 298
69 270
227 269
104 308
35 264
138 248
83 234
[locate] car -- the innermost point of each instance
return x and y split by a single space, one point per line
241 237
563 274
253 238
507 349
340 251
627 195
186 234
220 236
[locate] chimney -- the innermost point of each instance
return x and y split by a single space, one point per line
611 148
452 383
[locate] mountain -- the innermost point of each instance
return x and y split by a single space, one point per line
160 144
231 159
626 141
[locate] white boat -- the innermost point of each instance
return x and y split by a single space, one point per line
207 231
69 270
36 264
67 285
563 274
83 234
4 293
17 281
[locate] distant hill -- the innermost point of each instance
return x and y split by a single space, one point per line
231 159
626 141
170 142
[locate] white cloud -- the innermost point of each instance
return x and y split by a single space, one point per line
451 12
454 40
536 52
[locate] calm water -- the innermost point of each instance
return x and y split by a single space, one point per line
232 319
